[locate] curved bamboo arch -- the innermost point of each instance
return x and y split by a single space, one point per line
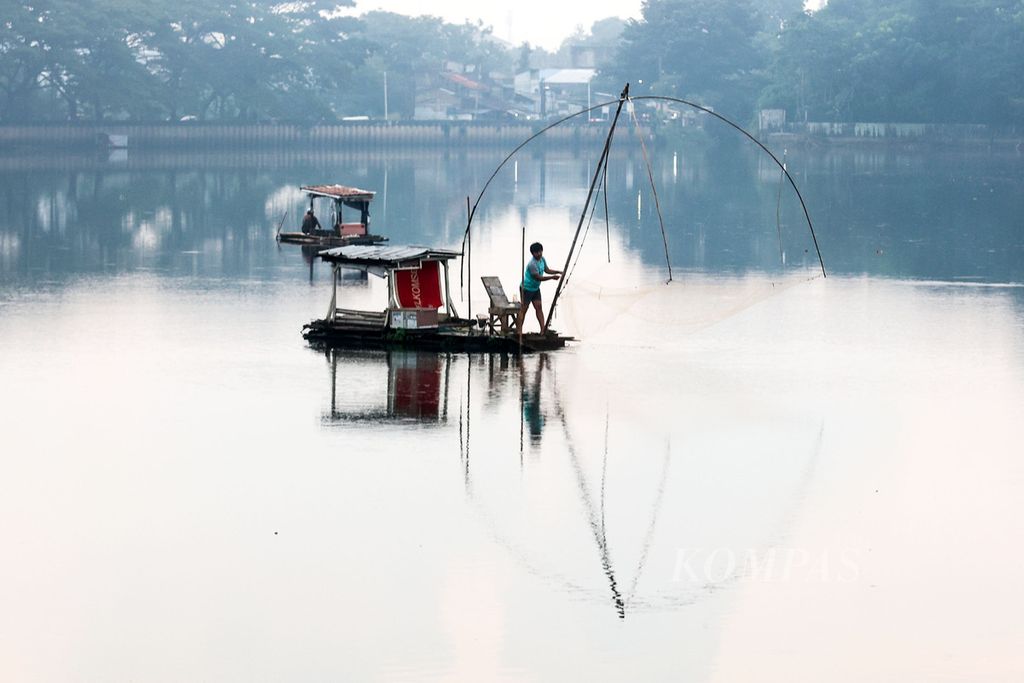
694 105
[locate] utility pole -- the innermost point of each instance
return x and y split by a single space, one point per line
385 96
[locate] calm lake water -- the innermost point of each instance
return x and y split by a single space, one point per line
750 473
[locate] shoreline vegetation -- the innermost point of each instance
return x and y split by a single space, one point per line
229 62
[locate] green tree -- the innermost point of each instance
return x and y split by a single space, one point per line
33 47
705 50
418 48
332 53
101 76
226 59
904 60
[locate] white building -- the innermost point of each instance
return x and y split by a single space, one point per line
556 91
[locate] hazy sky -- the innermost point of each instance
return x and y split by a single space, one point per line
541 22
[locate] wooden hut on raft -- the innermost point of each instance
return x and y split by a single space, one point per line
419 313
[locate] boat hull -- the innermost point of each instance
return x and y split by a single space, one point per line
329 240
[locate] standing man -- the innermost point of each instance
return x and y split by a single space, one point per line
536 272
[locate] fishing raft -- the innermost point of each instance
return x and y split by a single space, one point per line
341 233
420 314
414 318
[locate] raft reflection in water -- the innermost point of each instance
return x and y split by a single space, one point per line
595 493
415 386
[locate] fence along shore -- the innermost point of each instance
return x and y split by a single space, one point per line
206 135
442 134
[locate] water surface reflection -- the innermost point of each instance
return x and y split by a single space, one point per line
583 496
180 469
891 213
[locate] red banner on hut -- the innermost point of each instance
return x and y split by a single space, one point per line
420 287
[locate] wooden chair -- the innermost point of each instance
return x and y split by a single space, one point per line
501 309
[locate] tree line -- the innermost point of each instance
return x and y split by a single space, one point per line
941 61
309 60
219 59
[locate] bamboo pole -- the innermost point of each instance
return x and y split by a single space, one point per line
333 312
590 193
520 314
281 224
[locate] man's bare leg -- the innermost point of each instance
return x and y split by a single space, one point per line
520 318
540 315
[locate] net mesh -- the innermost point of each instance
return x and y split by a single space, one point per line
654 311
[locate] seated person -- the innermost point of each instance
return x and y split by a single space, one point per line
310 224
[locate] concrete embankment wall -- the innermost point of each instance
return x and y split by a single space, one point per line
444 134
898 133
205 136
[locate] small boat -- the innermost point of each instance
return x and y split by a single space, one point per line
341 233
420 314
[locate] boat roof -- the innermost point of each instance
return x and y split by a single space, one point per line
386 255
338 192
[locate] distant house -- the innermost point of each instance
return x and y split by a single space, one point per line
454 95
435 103
555 91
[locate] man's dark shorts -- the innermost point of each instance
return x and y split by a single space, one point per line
529 297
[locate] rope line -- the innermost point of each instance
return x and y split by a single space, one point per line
654 190
803 205
586 230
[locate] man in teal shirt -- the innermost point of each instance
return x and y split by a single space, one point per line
536 272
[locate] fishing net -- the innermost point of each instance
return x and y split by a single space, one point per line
628 302
598 305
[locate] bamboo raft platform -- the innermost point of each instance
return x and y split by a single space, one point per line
456 335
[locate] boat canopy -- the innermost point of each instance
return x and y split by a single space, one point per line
374 257
339 192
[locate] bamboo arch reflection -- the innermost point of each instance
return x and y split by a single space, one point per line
595 508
